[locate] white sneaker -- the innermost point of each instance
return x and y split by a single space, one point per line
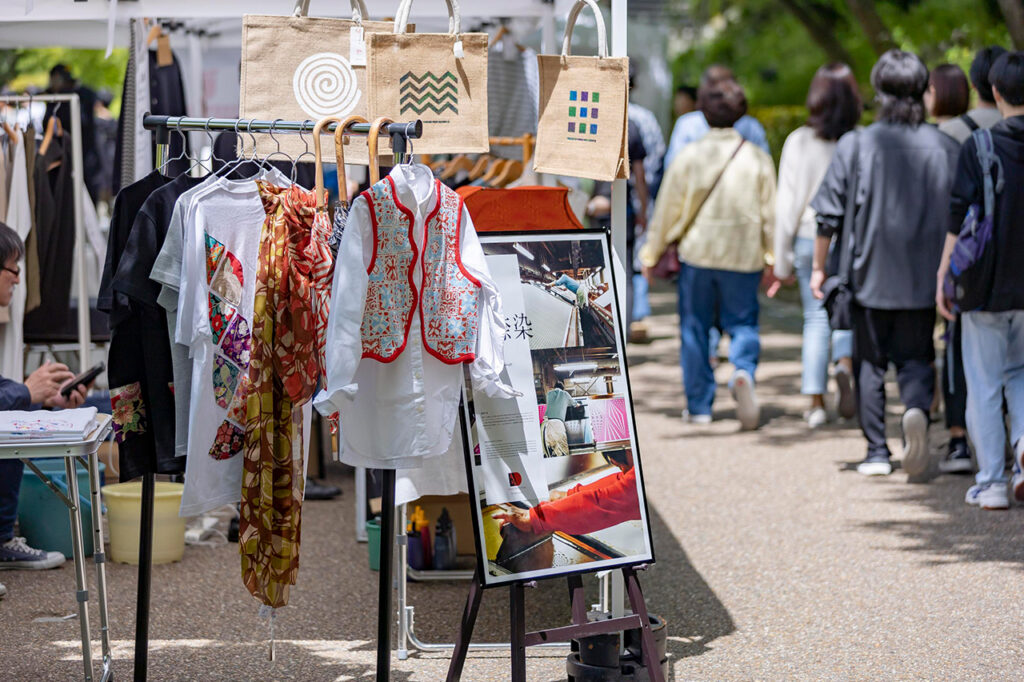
1017 482
747 408
915 442
816 417
875 467
696 418
3 591
988 496
846 399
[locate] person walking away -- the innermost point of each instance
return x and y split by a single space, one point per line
985 114
947 97
41 389
993 336
718 203
899 172
834 108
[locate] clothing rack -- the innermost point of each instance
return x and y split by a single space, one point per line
400 134
78 183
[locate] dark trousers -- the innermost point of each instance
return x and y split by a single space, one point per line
954 385
10 486
904 338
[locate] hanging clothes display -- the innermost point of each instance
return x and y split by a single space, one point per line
412 299
294 272
31 279
18 217
513 91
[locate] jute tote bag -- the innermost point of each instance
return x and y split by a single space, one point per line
440 78
583 126
299 67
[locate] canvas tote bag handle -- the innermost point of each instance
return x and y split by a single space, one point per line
454 17
359 11
570 24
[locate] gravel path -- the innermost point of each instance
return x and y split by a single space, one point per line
776 561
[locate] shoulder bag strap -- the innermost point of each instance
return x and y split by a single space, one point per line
715 184
969 122
988 160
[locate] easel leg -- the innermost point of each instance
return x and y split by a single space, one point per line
517 616
385 590
466 628
639 606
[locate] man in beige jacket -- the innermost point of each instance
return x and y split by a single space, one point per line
716 207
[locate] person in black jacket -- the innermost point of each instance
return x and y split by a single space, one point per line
899 171
40 389
993 337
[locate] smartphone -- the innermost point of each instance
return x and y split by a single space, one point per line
83 379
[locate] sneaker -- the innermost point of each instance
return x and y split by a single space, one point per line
915 441
846 401
696 418
15 554
816 417
638 332
747 408
1017 482
988 496
3 591
320 491
875 465
958 459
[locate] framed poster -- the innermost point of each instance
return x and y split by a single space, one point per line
554 474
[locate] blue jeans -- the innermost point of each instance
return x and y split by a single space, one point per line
817 332
10 487
993 353
733 295
641 304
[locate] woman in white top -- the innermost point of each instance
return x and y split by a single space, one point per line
834 106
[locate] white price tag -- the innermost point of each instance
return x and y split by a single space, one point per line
459 52
357 47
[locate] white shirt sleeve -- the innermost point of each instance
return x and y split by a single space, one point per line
789 201
190 277
485 371
348 300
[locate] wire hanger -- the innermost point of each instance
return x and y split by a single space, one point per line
167 162
306 152
277 142
198 163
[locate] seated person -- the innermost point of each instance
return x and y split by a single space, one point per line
40 390
565 281
583 509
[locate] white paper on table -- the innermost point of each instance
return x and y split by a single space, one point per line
508 429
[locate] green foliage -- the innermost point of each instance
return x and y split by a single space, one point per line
779 121
20 69
775 54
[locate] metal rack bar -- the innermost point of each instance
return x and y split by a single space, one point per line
400 133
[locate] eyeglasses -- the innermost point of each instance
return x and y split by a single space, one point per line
13 271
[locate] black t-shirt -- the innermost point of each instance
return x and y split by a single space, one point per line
140 353
127 205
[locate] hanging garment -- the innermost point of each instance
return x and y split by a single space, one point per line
55 228
31 279
513 92
18 218
294 270
398 414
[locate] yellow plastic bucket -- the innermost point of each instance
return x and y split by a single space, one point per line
124 510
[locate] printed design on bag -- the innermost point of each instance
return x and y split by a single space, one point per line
225 381
228 281
419 93
214 253
583 113
128 411
236 341
229 441
324 84
221 314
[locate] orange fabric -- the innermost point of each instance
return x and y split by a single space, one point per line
522 209
587 508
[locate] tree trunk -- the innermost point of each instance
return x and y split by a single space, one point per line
1013 10
871 23
820 30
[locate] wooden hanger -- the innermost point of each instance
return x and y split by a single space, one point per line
508 175
53 127
481 166
502 32
460 162
164 55
371 142
495 170
339 143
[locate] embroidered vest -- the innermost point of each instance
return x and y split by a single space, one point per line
448 303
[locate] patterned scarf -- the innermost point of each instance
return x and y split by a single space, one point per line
289 327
